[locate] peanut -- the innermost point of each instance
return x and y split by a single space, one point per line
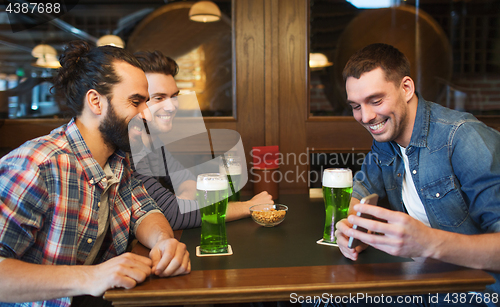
268 217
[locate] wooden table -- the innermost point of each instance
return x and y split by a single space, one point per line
284 263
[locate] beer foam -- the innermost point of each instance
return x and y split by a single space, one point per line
233 170
212 183
337 178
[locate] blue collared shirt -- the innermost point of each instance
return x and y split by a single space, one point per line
455 164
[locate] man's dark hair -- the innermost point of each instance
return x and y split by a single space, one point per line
394 63
157 62
84 68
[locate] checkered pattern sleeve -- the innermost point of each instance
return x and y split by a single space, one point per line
142 203
170 205
23 205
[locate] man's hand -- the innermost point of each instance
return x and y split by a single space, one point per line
124 271
342 227
170 258
241 209
261 198
187 190
401 235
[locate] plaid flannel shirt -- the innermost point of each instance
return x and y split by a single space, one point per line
50 189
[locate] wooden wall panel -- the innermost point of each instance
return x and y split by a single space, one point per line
272 69
340 134
293 93
250 73
14 132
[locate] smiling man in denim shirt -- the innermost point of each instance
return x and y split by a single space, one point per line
438 168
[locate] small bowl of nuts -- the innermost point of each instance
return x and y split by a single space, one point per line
268 215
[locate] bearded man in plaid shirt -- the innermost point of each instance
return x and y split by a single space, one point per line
68 200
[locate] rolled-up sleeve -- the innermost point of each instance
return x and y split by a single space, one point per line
23 199
142 203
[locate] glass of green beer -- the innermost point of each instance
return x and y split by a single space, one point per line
211 193
231 167
337 191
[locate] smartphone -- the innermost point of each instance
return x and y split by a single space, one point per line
371 200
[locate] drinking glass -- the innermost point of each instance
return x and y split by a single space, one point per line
231 167
337 191
211 193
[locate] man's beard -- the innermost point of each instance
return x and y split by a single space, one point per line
115 130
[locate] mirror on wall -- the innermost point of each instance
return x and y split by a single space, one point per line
202 50
453 47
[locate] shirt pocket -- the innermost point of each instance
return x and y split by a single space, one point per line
388 167
445 201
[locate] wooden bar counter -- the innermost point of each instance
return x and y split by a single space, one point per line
284 263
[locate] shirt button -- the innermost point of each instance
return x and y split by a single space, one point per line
414 171
399 174
104 180
437 194
91 181
89 241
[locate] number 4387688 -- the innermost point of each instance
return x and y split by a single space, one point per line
471 297
33 8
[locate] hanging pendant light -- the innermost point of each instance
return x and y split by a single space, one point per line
318 61
111 40
46 56
49 61
204 11
42 50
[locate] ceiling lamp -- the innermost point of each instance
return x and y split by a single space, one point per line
46 56
49 61
318 60
111 40
41 50
204 11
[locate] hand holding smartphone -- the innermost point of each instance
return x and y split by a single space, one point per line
371 200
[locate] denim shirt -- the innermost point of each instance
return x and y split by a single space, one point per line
455 163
